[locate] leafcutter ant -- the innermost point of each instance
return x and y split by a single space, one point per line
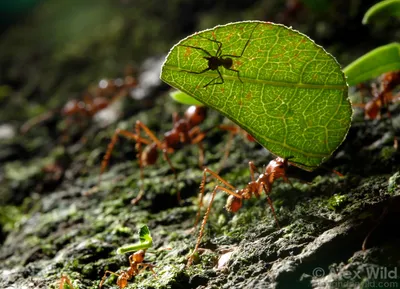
185 131
382 97
93 100
214 62
136 265
275 169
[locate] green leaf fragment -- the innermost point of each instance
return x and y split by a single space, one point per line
376 62
184 98
382 10
146 241
289 93
144 235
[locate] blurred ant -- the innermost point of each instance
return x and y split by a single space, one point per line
64 279
275 169
94 100
214 62
185 131
382 97
136 265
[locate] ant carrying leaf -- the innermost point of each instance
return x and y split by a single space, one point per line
275 169
271 84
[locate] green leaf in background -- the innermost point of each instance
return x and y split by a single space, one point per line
146 241
180 96
288 93
376 62
382 10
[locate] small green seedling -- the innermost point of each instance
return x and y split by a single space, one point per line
145 242
290 94
136 260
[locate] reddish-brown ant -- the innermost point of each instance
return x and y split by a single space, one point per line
382 97
64 279
275 169
136 265
94 100
185 131
214 62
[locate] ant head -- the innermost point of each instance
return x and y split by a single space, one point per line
138 256
122 280
233 204
195 115
282 163
372 109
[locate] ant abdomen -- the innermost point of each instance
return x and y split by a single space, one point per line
233 204
150 154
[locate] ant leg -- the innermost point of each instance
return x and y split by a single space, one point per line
378 222
199 48
203 224
267 191
105 276
212 82
114 139
196 137
219 43
145 266
175 118
237 71
252 168
201 154
226 152
166 157
244 47
138 127
202 187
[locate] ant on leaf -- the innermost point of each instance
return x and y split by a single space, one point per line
214 62
136 265
274 170
185 131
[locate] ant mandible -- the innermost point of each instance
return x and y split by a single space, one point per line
136 265
214 62
185 131
275 169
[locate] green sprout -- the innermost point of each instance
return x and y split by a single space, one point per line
145 242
